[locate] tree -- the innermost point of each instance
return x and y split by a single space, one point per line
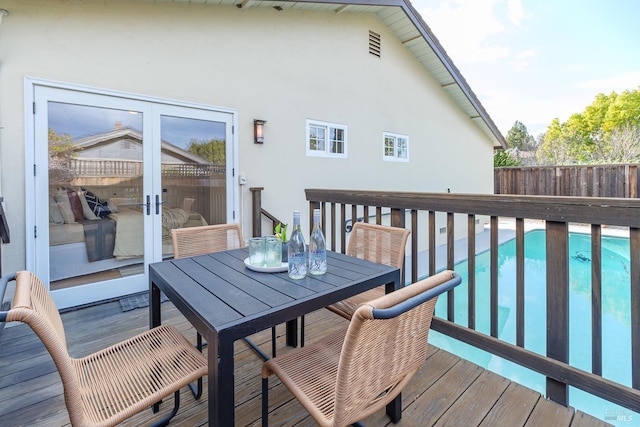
623 146
505 158
61 149
597 135
518 137
213 151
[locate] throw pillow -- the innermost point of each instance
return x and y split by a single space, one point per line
61 196
67 214
55 217
86 210
98 206
76 205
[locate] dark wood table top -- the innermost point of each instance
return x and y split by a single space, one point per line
224 295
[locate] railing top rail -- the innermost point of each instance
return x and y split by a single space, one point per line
593 210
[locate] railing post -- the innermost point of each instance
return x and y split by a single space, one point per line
256 210
557 246
398 220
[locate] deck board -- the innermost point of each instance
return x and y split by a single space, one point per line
446 391
476 401
513 406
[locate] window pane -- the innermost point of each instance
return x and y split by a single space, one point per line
316 138
337 140
388 146
402 148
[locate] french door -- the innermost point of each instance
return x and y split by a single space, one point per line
113 175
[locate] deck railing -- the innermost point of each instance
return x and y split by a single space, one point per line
423 213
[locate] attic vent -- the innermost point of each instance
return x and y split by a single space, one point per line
374 44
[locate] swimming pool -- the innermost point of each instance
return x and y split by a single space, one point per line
616 315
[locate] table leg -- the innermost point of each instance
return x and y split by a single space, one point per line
292 333
221 382
154 306
154 317
394 408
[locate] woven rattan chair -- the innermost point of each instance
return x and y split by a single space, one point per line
377 243
354 372
111 385
205 239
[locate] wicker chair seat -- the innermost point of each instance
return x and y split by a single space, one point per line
124 379
347 307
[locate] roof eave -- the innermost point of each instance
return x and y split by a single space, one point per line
431 39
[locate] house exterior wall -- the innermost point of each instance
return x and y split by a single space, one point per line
284 67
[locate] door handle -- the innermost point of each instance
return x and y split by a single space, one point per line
158 203
148 205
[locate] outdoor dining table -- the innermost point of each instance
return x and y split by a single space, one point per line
225 301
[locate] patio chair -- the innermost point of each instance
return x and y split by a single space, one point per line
377 243
206 239
356 371
113 384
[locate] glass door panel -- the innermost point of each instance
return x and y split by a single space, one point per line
194 173
96 202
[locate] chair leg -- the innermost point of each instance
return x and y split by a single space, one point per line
265 402
176 405
196 390
273 341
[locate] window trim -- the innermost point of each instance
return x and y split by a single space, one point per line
394 157
327 126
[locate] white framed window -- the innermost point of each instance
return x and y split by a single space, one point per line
326 139
395 147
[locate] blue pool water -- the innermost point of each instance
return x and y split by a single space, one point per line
616 317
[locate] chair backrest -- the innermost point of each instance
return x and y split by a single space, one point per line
380 356
378 243
33 305
205 239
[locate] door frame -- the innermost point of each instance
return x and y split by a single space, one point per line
37 248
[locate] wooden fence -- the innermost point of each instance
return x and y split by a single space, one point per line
583 181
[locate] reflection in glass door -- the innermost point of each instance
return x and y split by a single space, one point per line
96 202
194 181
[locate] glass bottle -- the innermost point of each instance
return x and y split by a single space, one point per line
317 247
297 256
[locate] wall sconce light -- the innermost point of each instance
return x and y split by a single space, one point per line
258 130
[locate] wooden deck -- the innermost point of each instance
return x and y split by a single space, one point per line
447 390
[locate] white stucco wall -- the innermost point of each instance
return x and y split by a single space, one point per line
284 67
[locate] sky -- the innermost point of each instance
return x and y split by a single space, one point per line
536 60
80 120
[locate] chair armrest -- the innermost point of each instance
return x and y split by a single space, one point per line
396 310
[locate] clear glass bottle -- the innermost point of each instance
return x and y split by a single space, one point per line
317 247
297 255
